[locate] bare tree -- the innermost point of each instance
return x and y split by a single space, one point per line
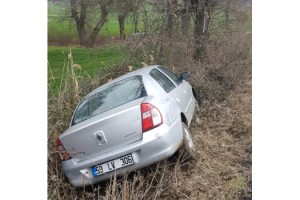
123 9
202 10
88 37
226 12
170 6
135 15
185 17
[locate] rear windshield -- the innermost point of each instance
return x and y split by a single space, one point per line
112 96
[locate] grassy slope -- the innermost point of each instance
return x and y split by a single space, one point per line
222 170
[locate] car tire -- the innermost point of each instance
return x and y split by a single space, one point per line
196 118
188 150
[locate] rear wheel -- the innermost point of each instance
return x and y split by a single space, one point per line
188 151
196 119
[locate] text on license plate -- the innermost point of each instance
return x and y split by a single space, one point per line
112 165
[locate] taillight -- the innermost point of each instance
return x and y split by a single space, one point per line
151 117
64 155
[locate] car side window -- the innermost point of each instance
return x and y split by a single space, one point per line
170 74
162 80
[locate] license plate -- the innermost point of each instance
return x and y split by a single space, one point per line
113 165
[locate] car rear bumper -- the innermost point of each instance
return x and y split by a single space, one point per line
157 144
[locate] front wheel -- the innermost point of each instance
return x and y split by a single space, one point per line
188 148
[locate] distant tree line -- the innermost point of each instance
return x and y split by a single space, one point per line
172 11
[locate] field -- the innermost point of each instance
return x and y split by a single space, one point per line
88 62
62 29
62 33
223 137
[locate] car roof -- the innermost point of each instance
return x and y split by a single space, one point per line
142 71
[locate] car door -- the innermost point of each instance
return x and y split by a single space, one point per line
177 91
183 91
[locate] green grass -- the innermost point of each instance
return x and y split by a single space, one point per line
62 30
90 61
59 29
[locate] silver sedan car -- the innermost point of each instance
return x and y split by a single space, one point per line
129 123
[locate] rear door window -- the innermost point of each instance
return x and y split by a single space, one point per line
112 96
162 80
171 75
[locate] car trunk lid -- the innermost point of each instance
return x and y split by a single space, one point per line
107 131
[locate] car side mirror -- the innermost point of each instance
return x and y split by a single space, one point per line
185 76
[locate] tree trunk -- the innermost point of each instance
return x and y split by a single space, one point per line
202 22
199 35
100 23
145 20
82 36
121 19
185 19
227 22
85 38
135 22
80 20
168 27
185 23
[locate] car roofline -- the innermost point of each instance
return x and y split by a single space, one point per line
142 72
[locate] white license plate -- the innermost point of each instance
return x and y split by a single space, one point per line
113 165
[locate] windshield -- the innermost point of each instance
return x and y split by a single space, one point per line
112 96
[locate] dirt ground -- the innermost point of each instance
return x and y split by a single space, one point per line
224 144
